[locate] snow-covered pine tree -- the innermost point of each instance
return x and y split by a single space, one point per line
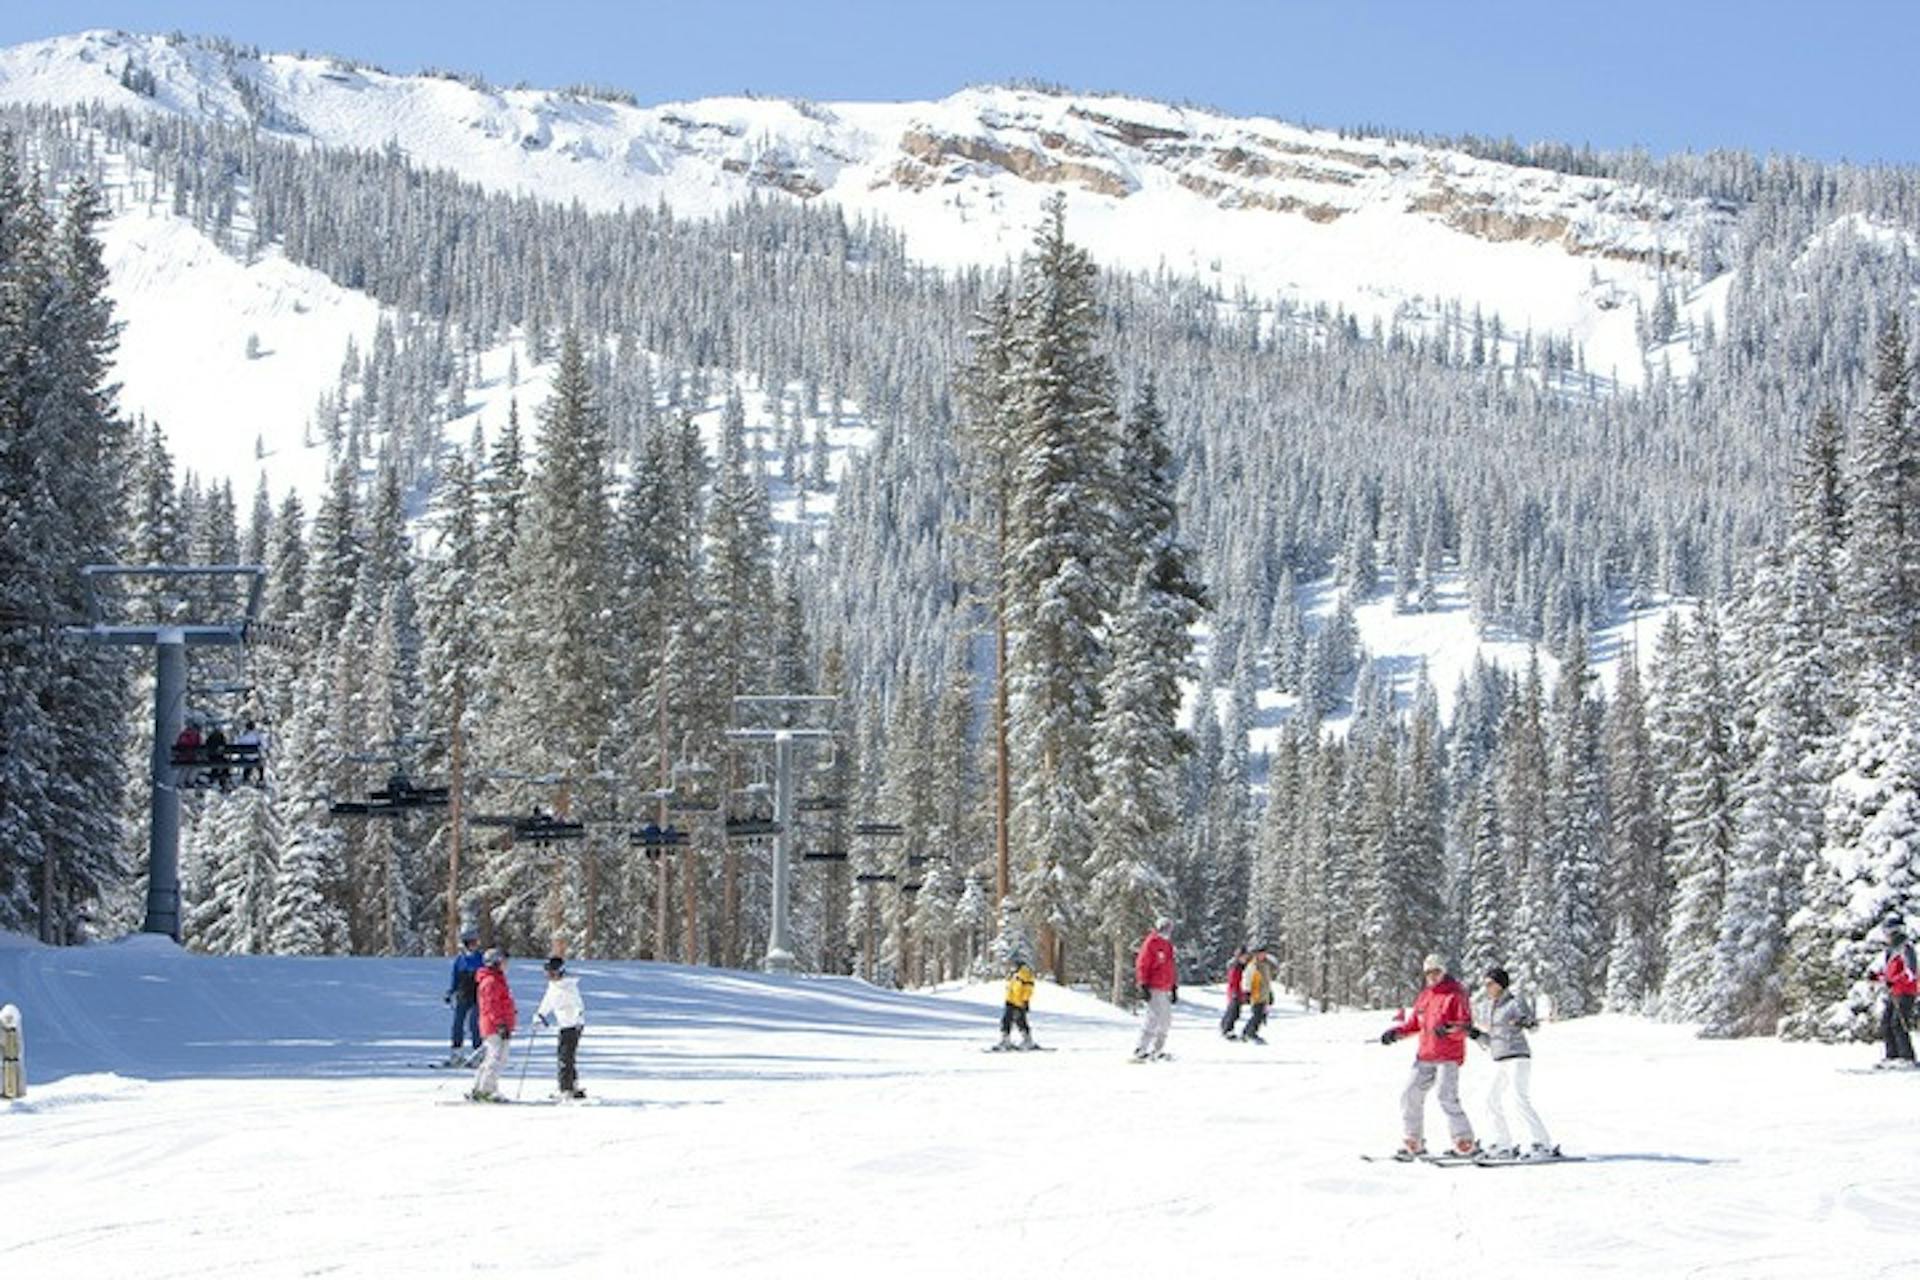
554 647
1485 930
1879 574
1637 880
240 875
1527 890
1703 824
1137 744
63 462
1061 538
1575 838
308 915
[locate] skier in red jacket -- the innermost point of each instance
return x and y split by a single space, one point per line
1236 994
1441 1015
1898 972
1159 980
497 1021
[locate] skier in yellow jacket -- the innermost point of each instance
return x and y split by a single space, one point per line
1259 983
1019 997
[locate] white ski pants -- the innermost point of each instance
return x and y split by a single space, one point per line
1413 1103
487 1078
1514 1075
1153 1032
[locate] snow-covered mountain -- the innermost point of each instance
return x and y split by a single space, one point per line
1378 227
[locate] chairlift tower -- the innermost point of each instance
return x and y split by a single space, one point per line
170 642
785 737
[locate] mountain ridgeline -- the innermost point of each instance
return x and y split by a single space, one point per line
1085 463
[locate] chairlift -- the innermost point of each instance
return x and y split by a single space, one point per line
911 886
751 828
398 797
879 829
657 840
693 806
875 877
213 760
824 855
819 804
538 828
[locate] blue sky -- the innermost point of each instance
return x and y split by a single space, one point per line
1818 77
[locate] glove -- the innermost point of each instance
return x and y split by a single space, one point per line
1389 1036
1476 1033
506 1033
447 998
1145 995
1173 996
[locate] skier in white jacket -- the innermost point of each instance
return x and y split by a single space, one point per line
1509 1018
561 1007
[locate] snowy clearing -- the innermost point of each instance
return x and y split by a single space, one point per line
271 1116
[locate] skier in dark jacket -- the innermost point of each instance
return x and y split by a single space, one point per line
463 993
1899 974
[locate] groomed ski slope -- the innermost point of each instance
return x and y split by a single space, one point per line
258 1117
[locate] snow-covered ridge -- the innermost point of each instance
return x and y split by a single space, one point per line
1375 226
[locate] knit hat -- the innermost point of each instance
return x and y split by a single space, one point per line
556 964
1499 976
469 934
1896 930
1434 961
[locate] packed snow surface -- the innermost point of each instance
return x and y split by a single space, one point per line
249 1117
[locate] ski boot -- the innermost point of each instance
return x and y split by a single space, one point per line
1411 1149
1466 1147
1541 1151
1027 1044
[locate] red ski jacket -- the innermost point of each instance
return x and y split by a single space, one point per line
1153 967
496 1002
1236 974
1900 979
1444 1004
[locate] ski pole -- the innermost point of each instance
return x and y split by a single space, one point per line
531 1041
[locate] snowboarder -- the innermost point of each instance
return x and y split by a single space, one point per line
1019 1000
1441 1015
497 1021
1898 973
1509 1018
1259 979
1236 993
463 993
1159 980
562 1007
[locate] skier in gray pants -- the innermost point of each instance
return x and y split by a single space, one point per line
1441 1015
1159 980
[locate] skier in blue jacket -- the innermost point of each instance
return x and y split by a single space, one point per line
463 993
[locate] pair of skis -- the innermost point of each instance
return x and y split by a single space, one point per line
1455 1160
1018 1048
